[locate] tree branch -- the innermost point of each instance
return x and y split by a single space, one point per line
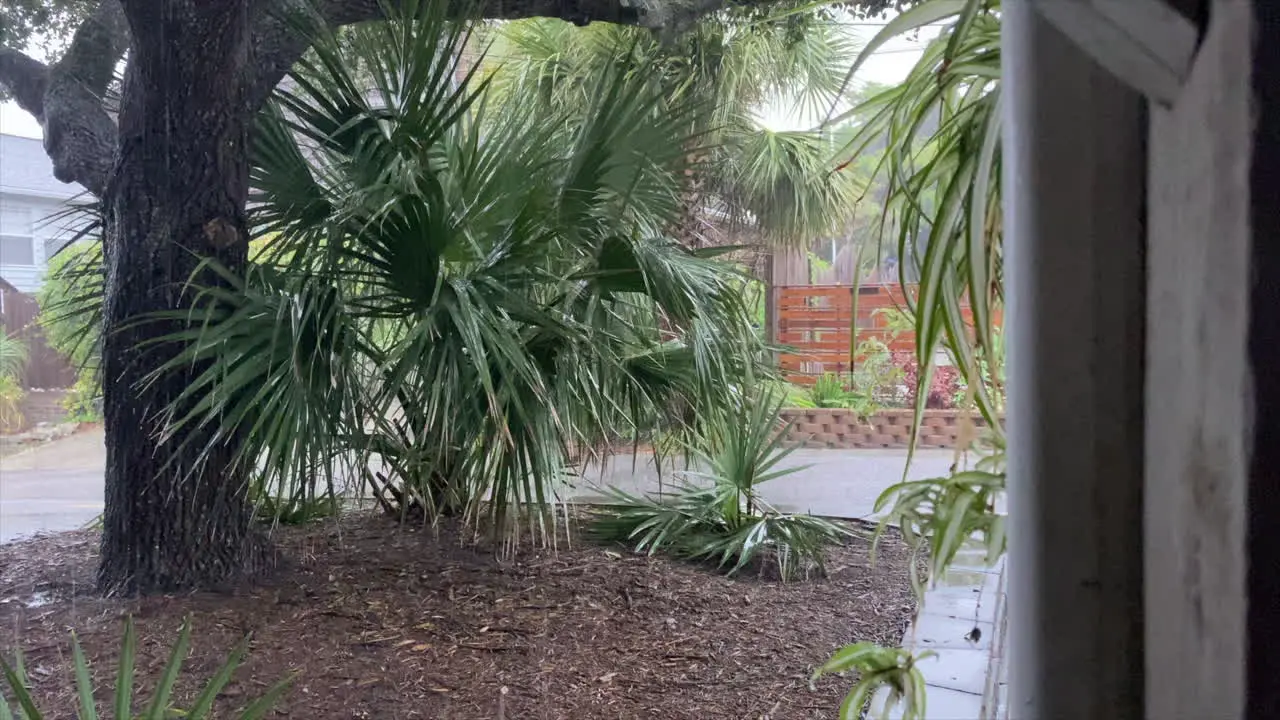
79 134
278 43
26 78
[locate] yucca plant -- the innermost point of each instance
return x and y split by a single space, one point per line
124 705
458 295
893 671
717 513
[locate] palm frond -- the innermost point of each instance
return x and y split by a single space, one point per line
456 297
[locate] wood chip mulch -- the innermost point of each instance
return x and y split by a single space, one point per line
384 621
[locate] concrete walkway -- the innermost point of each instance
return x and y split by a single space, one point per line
58 486
961 620
835 483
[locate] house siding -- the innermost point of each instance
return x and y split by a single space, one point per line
30 199
38 217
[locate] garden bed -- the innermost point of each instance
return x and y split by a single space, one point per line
381 621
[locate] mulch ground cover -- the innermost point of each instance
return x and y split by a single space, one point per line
379 620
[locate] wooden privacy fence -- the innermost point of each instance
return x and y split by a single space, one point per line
814 322
45 368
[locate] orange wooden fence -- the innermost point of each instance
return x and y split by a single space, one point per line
813 321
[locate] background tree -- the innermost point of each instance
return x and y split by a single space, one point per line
171 169
748 181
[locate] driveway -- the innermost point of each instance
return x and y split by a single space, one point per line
58 486
836 483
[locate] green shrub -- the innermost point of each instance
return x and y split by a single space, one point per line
71 304
159 707
724 519
828 391
83 402
13 358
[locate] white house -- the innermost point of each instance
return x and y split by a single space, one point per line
30 201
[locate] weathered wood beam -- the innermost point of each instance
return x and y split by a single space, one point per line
1146 43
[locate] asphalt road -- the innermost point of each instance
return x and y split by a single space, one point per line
59 486
52 487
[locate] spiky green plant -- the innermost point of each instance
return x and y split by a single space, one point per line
828 391
717 512
123 704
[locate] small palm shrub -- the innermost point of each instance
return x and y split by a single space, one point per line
458 297
159 707
892 668
717 513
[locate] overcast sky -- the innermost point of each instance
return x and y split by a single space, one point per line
891 63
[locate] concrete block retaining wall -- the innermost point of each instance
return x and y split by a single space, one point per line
840 428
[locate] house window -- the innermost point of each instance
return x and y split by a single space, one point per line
17 250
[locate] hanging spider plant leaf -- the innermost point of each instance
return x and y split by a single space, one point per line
914 18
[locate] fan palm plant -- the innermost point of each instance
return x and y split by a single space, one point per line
718 512
731 66
458 295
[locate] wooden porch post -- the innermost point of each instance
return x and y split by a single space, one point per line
1074 182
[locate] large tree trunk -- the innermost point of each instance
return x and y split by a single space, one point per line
177 515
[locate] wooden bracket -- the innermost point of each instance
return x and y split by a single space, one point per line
1146 43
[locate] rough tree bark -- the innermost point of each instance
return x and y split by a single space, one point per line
173 178
174 518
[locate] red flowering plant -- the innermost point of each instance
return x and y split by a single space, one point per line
945 386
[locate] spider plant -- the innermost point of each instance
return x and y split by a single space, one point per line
941 169
893 669
717 512
123 704
942 515
940 129
941 164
